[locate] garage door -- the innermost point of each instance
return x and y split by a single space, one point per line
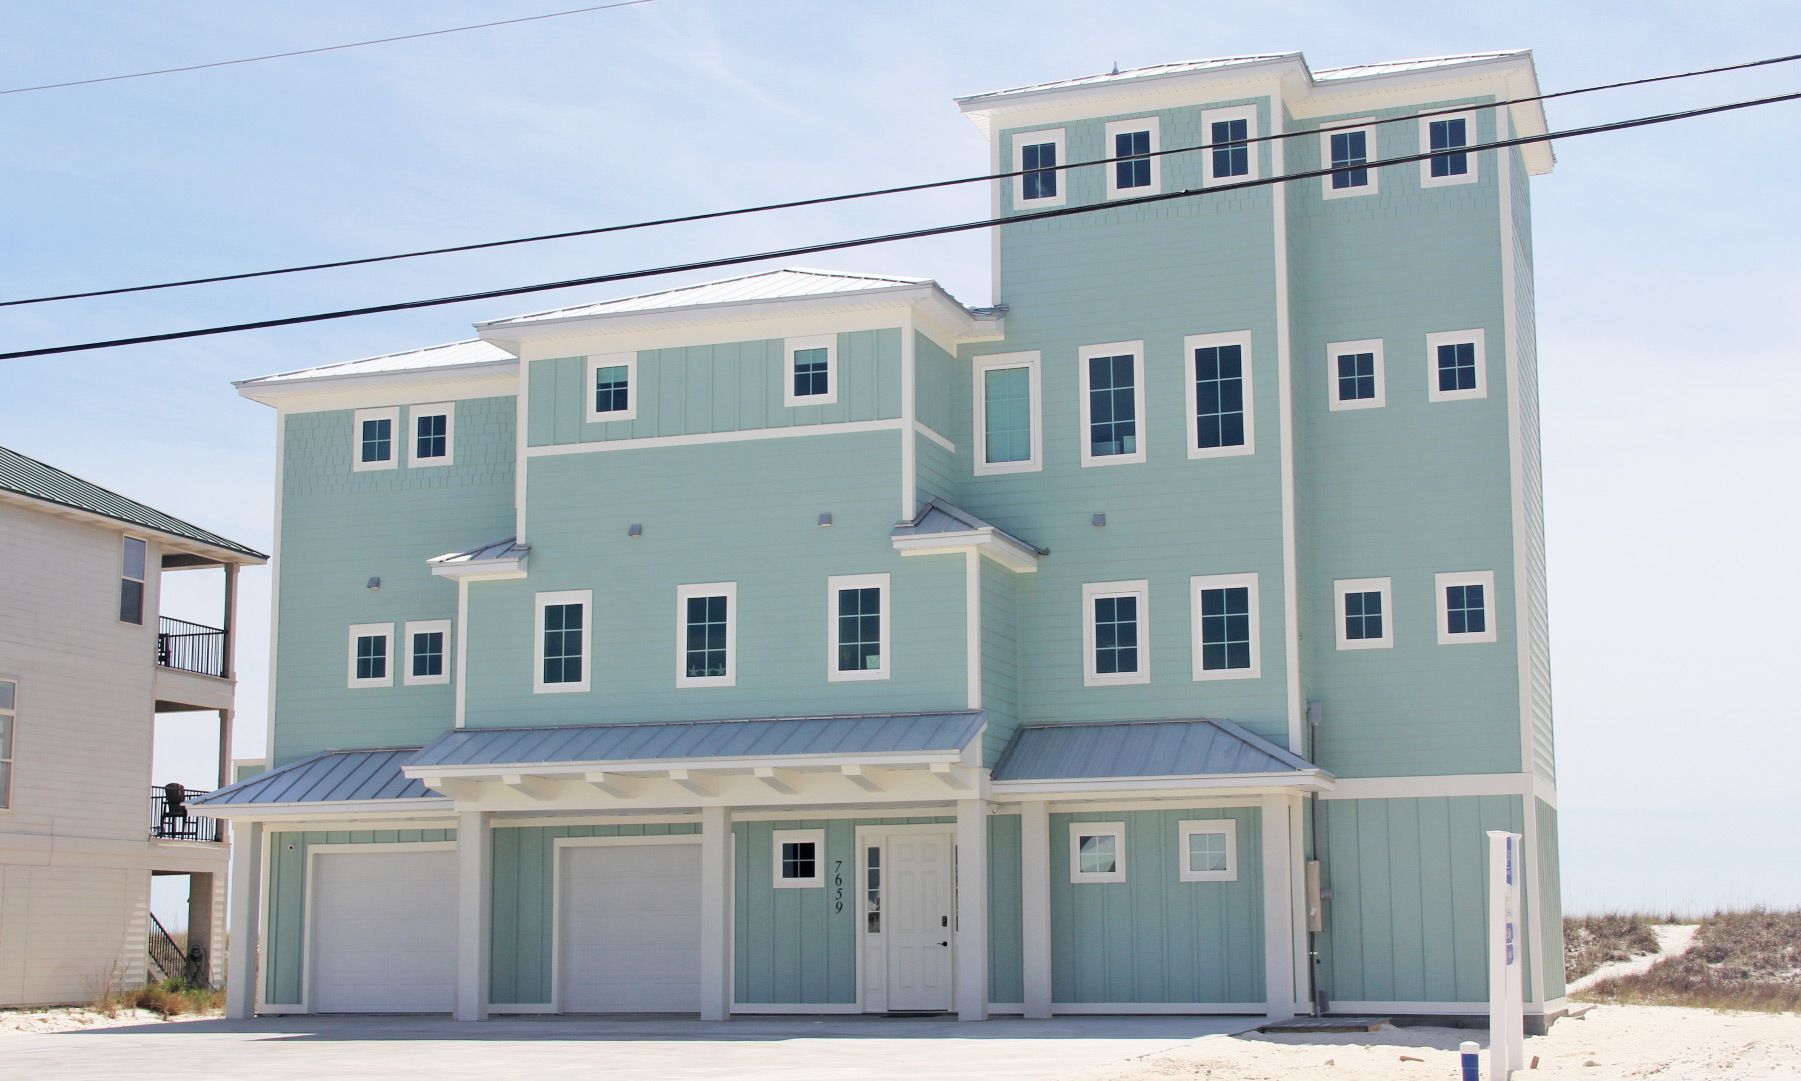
384 932
629 940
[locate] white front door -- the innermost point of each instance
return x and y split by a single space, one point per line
629 933
919 910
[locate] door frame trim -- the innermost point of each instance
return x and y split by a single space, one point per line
309 959
558 845
871 835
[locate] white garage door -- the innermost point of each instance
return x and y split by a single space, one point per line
384 932
630 934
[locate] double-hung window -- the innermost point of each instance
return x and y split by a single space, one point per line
1007 412
1112 402
812 370
799 859
434 430
1097 852
1220 420
132 570
1446 139
612 387
428 652
1230 155
1036 156
1355 375
371 652
1209 850
1224 610
1347 152
1456 367
1116 621
857 618
1136 169
9 720
1365 610
1465 607
707 633
562 640
375 435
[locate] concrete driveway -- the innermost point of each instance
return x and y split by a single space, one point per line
790 1049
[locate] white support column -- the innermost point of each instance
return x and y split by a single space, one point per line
1035 896
246 912
475 844
972 910
1278 920
715 913
1303 960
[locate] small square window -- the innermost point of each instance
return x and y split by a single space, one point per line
1347 151
428 652
857 618
1231 156
1225 626
1137 169
1036 157
1356 375
812 370
1097 852
612 387
1116 633
1446 139
374 439
1209 850
799 858
370 648
706 618
1465 607
1456 369
434 432
1365 613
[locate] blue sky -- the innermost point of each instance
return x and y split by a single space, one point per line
1667 289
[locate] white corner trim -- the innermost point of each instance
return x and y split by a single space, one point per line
1384 587
1115 128
385 631
1456 337
1194 342
1334 389
583 597
391 414
1225 827
909 418
1138 589
1371 152
972 628
1209 117
1470 138
980 367
1485 579
790 346
778 838
462 647
414 415
833 584
1201 583
1085 401
1021 140
628 361
1285 425
1516 448
685 593
1079 830
427 626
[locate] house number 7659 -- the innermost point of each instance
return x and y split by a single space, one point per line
837 885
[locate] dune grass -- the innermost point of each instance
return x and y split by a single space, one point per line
1592 941
1739 961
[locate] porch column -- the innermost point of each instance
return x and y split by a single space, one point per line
972 910
246 909
715 913
1278 901
475 845
1035 895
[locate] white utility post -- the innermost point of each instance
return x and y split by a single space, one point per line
715 913
972 910
1278 909
1506 1006
246 907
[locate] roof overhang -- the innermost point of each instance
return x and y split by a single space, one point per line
188 551
329 810
1311 780
509 563
487 379
989 542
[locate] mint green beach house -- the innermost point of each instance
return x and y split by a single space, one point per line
1160 639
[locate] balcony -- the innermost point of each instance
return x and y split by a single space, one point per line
171 819
190 647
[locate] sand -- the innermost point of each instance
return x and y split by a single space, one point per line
70 1018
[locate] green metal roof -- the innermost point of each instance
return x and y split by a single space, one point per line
36 480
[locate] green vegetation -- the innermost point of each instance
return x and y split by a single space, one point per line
1592 941
1739 961
170 998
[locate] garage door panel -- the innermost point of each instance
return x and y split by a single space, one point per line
630 933
383 932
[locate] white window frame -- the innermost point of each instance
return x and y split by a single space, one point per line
426 626
1085 407
1485 579
371 630
1385 587
391 414
1209 117
1241 338
1079 830
143 582
1092 591
583 597
1119 127
447 410
685 593
628 361
1367 345
1427 180
10 759
1055 137
1225 581
828 342
777 838
1365 124
856 581
1456 337
981 366
1225 827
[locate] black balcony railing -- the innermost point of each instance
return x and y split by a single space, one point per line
171 818
190 647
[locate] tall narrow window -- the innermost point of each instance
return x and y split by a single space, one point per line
1230 155
1225 626
812 370
1355 371
1447 139
562 642
1455 366
1136 169
1219 395
857 614
434 432
132 573
427 643
1007 411
1365 613
611 387
9 719
370 649
1036 155
1465 607
706 617
1348 152
872 889
1116 633
1112 403
376 439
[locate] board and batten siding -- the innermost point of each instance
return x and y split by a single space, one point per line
284 923
1154 938
1006 910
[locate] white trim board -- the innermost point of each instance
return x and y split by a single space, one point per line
655 441
1443 785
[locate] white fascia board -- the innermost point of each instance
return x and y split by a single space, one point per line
417 386
992 112
988 542
168 541
1314 780
486 570
377 809
575 770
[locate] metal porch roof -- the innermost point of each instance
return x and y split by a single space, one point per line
938 518
1191 748
328 777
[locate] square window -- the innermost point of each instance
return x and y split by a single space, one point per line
1347 152
375 439
378 438
1231 156
1097 852
1007 397
1219 394
612 387
369 652
1036 156
428 652
434 433
706 618
1116 633
1465 607
1225 626
1456 369
857 618
1136 168
1446 139
1365 613
812 367
1112 403
1209 850
562 642
799 858
1356 375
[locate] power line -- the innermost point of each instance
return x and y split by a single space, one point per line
886 238
822 200
327 48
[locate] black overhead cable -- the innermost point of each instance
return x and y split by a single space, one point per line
911 234
327 48
826 199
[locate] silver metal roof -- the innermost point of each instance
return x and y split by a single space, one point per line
1396 67
509 548
451 355
865 733
770 285
1195 748
328 777
938 518
1179 68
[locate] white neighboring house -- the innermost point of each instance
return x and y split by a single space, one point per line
86 664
